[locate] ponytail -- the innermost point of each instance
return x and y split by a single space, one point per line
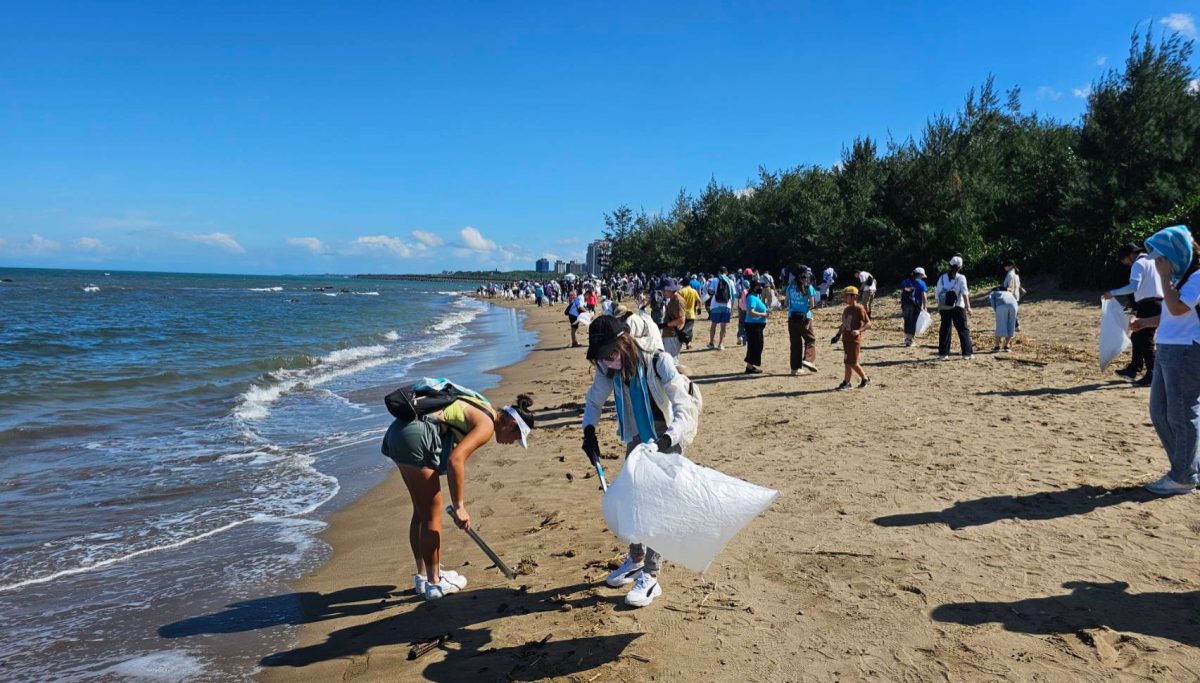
522 405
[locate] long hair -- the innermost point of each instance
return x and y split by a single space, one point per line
630 356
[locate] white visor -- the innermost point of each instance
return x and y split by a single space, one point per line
524 428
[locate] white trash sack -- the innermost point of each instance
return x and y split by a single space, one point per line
584 319
685 512
924 322
1114 332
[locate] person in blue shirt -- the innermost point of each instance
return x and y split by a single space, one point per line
756 323
801 299
913 291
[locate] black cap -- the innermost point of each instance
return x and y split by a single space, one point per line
603 333
1127 250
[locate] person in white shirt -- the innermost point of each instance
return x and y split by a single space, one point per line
576 307
1147 290
866 289
828 277
954 307
1175 390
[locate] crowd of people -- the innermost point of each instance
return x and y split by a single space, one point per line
633 350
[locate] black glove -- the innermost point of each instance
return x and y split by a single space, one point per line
591 446
664 443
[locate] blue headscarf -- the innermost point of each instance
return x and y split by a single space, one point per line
1175 245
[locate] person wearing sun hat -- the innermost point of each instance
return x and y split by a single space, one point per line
674 315
913 292
954 307
855 321
653 405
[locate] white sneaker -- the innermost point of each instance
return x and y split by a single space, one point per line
795 372
624 575
808 365
720 347
1169 487
943 357
645 589
419 580
968 357
448 585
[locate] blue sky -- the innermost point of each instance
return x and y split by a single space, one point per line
413 137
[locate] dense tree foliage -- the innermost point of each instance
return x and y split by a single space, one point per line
990 182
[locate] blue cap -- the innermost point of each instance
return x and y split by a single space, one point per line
669 284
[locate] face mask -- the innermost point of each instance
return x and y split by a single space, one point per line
613 363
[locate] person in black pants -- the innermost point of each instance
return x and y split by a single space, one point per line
1146 288
954 307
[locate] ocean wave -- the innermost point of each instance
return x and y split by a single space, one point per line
354 353
366 293
330 293
391 336
266 289
91 288
172 665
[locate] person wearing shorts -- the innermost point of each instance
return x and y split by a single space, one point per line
721 312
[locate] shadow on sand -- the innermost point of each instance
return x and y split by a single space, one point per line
1036 506
468 656
1089 605
1061 391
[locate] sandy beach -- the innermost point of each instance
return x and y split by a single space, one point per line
957 521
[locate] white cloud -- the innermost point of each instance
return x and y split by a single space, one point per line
213 239
1045 92
310 243
1180 23
1082 92
1102 60
744 193
473 239
92 244
427 239
1193 85
393 244
39 245
132 220
568 241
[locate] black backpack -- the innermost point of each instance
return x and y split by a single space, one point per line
427 396
723 294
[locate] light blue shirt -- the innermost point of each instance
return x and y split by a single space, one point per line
756 310
798 299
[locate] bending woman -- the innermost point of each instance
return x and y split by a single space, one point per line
439 444
653 404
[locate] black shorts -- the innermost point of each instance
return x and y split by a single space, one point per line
417 443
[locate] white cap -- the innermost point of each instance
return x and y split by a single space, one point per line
956 261
520 425
919 271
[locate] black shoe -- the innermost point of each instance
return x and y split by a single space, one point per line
755 371
1145 381
863 384
1128 373
844 386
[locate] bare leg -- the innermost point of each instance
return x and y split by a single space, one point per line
425 489
857 370
414 539
846 378
723 328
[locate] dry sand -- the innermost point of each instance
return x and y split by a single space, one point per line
960 521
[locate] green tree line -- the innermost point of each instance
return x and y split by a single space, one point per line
990 182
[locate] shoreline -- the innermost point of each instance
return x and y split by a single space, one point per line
1005 538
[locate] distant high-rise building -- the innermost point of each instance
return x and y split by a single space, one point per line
543 265
597 257
560 266
577 267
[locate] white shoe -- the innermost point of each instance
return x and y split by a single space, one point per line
943 357
808 365
419 580
795 372
645 589
968 357
720 347
624 574
1169 487
448 585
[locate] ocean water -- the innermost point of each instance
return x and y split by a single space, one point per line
169 445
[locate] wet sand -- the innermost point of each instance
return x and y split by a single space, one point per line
955 521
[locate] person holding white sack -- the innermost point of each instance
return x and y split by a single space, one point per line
654 404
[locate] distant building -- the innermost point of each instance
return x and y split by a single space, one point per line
543 265
577 267
560 266
597 257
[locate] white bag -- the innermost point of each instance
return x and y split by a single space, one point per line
584 319
1114 332
685 512
924 322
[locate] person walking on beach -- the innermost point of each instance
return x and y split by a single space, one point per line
855 321
674 316
1005 306
756 323
743 291
653 404
1147 289
721 311
913 292
691 305
1175 389
954 307
574 308
828 277
430 446
801 299
1011 282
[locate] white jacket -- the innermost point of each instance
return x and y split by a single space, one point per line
645 333
674 394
